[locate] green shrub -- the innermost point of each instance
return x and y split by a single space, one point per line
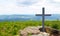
55 26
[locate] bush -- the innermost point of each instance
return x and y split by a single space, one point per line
55 26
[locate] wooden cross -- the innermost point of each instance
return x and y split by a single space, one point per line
43 17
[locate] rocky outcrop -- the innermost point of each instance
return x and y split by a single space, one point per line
55 32
30 30
47 29
42 34
37 31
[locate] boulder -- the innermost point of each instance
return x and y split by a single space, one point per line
37 30
30 30
42 34
23 33
55 32
47 29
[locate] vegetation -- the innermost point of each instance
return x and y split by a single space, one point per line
11 28
55 26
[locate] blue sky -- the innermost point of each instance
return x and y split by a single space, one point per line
8 7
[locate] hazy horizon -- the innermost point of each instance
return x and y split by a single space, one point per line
26 14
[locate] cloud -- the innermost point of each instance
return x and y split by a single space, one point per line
55 3
29 6
56 0
27 2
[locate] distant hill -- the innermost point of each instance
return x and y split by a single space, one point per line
27 17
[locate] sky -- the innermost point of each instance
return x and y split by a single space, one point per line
8 7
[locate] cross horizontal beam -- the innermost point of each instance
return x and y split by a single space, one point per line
44 14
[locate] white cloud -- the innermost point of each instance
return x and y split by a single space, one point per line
12 7
26 2
56 0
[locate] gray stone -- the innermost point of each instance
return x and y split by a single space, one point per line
23 33
30 30
55 32
42 34
37 31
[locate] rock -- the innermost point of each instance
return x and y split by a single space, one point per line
55 32
23 33
37 31
47 29
29 30
42 34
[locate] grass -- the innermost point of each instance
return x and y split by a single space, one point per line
11 28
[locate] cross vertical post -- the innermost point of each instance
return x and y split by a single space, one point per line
43 19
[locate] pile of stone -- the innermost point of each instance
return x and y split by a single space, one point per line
29 30
55 32
42 34
37 31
